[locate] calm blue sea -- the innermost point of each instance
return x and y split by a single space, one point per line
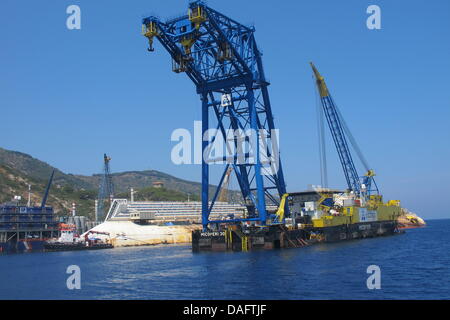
415 265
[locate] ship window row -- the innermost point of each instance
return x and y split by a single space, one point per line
24 210
23 227
27 218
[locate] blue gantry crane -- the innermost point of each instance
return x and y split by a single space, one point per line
222 59
361 186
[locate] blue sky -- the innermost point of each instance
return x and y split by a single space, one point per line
68 96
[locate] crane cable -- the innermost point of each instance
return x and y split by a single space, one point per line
352 140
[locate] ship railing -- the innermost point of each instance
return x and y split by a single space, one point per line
117 208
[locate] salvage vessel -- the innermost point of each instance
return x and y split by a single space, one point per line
229 77
68 242
318 215
322 215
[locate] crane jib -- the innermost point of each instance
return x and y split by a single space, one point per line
340 133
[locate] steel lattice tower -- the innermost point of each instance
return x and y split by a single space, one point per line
106 190
223 61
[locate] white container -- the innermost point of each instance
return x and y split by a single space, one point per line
349 202
310 206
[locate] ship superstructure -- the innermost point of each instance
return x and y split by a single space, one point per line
136 223
160 211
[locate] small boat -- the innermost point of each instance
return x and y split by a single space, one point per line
68 242
58 246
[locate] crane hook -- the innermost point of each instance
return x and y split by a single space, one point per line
150 45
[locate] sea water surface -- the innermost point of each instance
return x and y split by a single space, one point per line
415 265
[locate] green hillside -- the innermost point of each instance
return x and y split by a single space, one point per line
37 169
15 183
123 181
18 169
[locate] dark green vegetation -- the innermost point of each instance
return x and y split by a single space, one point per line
40 170
15 182
17 170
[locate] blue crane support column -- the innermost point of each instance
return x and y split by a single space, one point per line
205 168
261 206
221 58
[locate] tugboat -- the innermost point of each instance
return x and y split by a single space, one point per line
68 242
